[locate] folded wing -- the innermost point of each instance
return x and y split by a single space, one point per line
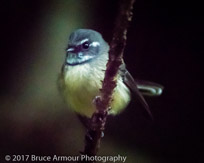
140 88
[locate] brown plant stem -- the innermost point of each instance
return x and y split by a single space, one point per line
103 101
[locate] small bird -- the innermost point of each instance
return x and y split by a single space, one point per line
83 72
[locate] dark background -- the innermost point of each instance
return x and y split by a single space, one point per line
164 46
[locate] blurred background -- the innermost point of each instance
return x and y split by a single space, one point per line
164 46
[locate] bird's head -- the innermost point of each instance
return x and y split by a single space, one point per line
84 46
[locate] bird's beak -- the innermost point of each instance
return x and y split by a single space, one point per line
72 58
75 57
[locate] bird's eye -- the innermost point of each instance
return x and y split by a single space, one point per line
85 45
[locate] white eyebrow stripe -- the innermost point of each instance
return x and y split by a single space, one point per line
70 49
94 44
84 40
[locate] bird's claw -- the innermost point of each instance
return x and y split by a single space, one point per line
96 100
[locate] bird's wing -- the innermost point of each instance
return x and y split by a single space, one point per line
149 88
132 85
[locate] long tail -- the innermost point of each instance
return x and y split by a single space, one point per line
149 88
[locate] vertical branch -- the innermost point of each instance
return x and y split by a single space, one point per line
103 101
117 47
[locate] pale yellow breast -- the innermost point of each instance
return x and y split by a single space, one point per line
81 85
